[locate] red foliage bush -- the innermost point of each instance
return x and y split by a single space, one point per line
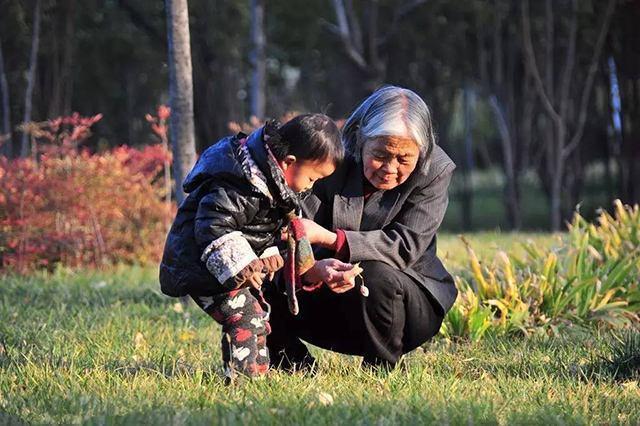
68 206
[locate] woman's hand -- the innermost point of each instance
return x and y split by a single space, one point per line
333 273
319 235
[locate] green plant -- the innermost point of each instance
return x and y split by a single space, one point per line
590 279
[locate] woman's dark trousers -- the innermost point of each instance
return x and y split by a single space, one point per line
398 316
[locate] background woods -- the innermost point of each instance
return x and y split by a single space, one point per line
537 102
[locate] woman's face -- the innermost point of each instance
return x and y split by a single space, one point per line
388 161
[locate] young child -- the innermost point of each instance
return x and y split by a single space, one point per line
242 192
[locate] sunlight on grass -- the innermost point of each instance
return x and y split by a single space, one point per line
451 249
107 347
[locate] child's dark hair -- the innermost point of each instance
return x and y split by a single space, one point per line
310 137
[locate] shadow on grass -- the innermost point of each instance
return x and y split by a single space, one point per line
253 412
10 420
573 358
621 361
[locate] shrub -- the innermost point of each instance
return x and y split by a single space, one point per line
65 205
592 279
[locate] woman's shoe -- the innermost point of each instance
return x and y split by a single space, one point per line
282 361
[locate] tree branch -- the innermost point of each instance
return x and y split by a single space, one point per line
586 92
354 25
373 32
138 19
565 82
401 12
532 65
346 35
330 26
549 49
5 133
31 76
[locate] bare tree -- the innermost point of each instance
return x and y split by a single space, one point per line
258 41
180 91
567 113
5 135
364 50
31 77
62 61
468 105
511 98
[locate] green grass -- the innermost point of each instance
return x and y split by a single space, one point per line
486 244
107 347
488 210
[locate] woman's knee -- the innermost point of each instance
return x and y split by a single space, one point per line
384 308
382 280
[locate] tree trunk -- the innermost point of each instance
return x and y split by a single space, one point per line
512 193
31 77
467 193
566 117
557 176
504 98
180 92
258 42
130 92
5 138
58 58
67 58
366 54
51 79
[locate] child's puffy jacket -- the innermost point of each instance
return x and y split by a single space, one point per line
237 204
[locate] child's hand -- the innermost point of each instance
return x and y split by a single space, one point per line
271 265
332 272
251 275
255 280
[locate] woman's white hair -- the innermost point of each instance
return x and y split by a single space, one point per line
389 111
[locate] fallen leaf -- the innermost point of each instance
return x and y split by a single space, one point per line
353 272
325 398
139 341
187 336
98 285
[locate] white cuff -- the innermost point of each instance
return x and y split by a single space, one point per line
270 251
228 255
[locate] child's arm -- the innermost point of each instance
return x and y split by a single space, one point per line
227 254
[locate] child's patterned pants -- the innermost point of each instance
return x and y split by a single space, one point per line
244 316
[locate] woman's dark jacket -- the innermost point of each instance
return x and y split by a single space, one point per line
224 198
397 226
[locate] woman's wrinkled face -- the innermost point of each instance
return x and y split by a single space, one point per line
388 161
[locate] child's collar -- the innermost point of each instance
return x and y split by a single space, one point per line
270 168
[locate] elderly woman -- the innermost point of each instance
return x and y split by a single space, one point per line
381 208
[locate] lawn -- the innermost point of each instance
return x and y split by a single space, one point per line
451 249
108 348
487 208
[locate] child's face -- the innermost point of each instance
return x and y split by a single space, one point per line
301 175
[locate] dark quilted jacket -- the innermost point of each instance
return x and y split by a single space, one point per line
222 200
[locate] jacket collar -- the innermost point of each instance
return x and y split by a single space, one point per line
348 204
284 195
350 212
